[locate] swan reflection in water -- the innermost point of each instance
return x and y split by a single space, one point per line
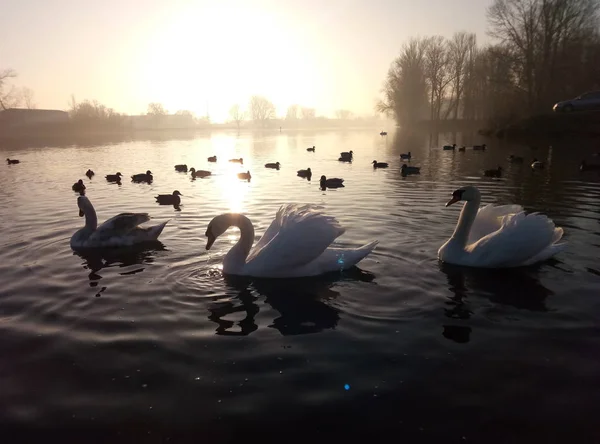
95 259
301 303
518 287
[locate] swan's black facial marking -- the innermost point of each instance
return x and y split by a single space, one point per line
456 197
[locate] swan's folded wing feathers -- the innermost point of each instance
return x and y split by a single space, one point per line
521 237
489 219
122 223
303 235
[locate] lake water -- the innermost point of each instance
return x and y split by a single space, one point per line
157 345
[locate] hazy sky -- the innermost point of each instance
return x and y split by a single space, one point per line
187 54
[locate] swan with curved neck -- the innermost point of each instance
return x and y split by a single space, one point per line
118 231
296 244
498 236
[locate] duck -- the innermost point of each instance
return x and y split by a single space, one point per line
536 164
212 159
142 177
311 149
349 154
181 168
383 133
240 161
78 186
515 159
498 236
406 156
114 177
169 199
297 243
496 172
274 166
334 182
589 167
245 176
89 174
462 149
406 170
449 147
12 161
121 230
307 173
199 173
379 164
479 147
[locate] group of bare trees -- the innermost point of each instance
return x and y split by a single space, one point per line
544 51
12 96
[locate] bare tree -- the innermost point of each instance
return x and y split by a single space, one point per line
27 96
156 109
292 112
461 50
307 113
261 109
343 114
237 115
437 73
9 97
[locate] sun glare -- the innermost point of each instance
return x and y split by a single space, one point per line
211 57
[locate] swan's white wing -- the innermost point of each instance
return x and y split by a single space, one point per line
120 225
269 234
489 219
304 233
520 238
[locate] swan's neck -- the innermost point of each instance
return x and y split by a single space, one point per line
236 257
465 221
91 220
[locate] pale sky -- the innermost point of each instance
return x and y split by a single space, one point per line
187 54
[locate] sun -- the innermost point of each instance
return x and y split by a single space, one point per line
214 56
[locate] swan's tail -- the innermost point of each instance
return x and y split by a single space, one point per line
154 232
349 258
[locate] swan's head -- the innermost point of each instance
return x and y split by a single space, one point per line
217 227
467 193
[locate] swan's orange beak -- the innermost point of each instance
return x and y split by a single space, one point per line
81 213
452 201
210 241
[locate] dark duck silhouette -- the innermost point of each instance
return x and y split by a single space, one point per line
405 170
496 172
462 149
199 173
479 147
380 164
449 147
311 149
114 177
274 166
181 168
143 177
169 199
78 186
89 174
334 182
212 159
406 156
383 133
12 161
307 173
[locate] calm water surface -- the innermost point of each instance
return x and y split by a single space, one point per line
155 343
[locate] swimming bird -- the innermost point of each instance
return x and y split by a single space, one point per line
406 156
334 182
515 159
311 149
199 173
89 174
245 176
383 133
119 231
536 164
479 147
449 147
496 172
498 236
349 154
462 149
240 161
307 173
379 164
181 168
298 243
169 199
405 170
142 177
274 166
212 159
78 186
12 161
589 166
114 177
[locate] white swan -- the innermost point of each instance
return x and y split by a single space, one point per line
498 236
119 231
296 244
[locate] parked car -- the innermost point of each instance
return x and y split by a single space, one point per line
587 101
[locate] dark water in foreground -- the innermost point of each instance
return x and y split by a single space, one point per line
156 345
